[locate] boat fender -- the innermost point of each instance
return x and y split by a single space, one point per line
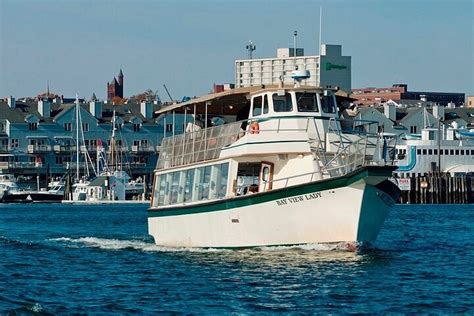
254 128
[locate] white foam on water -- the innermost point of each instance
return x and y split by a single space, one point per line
118 244
36 308
342 246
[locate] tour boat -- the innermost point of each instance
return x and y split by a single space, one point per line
282 170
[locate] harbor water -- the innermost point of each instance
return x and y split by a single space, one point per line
64 259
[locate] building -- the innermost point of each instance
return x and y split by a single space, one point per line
470 101
328 69
39 137
115 87
372 95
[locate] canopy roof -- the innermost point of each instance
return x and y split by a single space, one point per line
233 100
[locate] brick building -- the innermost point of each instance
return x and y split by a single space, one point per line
372 95
115 87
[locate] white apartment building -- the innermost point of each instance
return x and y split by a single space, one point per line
328 69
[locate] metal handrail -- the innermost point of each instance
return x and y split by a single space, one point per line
207 143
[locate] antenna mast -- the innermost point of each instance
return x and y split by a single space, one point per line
295 34
250 47
320 26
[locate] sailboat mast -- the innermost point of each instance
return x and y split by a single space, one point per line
112 143
77 137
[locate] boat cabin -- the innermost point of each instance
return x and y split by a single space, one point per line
256 139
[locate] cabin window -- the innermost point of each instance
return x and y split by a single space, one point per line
156 191
306 102
222 185
265 104
247 177
413 129
32 126
457 152
161 189
327 104
174 187
188 185
452 151
68 127
282 103
204 184
85 127
418 152
257 106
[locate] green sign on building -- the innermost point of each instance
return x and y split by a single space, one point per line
330 66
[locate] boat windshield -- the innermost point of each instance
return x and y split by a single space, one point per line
327 104
307 102
282 103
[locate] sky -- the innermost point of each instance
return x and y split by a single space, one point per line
77 46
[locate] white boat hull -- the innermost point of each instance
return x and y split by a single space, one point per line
353 213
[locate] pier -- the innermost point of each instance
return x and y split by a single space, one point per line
439 188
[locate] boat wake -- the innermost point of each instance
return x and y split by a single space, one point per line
120 244
146 246
340 246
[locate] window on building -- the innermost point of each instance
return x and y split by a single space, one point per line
136 127
169 127
424 151
14 143
418 152
32 126
413 129
68 127
452 152
85 127
462 152
457 152
435 151
430 151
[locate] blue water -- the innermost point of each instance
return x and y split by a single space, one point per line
58 259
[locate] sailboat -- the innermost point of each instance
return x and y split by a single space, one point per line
110 183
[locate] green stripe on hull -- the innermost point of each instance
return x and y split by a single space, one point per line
253 199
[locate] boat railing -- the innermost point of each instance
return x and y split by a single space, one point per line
345 149
200 145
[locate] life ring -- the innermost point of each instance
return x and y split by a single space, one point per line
254 128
